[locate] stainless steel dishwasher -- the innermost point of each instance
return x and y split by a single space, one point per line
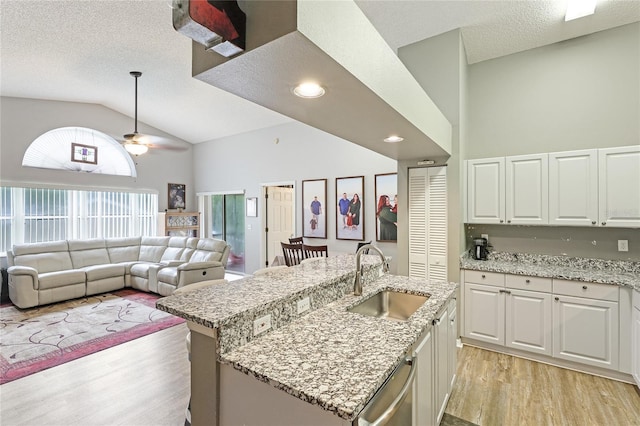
393 403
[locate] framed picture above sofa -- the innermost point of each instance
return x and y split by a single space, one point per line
177 196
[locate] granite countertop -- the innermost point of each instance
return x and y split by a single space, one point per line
615 272
337 359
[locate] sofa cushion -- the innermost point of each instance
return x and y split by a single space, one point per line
123 249
207 250
88 253
175 248
42 259
61 278
192 244
142 269
99 272
168 275
152 248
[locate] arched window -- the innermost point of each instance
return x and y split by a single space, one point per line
79 149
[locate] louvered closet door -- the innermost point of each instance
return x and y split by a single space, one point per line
428 223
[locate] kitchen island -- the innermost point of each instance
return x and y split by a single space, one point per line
325 363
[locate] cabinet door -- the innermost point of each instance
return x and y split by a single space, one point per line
586 331
441 332
635 349
527 189
484 313
485 190
528 323
573 188
619 186
423 397
452 339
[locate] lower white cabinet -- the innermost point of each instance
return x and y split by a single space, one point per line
453 343
424 412
635 350
563 319
528 321
441 333
586 331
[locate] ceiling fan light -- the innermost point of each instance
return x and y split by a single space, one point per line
135 148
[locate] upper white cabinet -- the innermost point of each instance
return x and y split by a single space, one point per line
619 186
527 189
593 187
485 190
573 188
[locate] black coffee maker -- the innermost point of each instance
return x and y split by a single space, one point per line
480 248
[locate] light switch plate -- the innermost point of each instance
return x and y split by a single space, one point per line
623 245
261 324
304 305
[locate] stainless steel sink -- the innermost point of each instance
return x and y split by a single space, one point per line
390 304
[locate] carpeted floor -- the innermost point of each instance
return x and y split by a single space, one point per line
39 338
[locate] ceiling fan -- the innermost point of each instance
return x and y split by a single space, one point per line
137 143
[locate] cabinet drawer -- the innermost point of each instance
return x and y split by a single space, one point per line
487 278
524 282
585 289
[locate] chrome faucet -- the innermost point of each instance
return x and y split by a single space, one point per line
357 283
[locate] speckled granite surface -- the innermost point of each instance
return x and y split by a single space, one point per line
231 308
337 359
615 272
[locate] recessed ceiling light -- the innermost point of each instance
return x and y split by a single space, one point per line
393 139
308 90
579 8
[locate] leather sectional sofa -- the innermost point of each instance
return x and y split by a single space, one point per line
42 273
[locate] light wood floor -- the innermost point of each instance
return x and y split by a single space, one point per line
498 389
146 382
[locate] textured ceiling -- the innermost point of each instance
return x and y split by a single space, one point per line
83 51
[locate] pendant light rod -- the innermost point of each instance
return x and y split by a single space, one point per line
136 74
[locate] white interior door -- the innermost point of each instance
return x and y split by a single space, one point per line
280 213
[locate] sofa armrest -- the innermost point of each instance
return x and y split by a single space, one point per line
191 266
23 270
171 263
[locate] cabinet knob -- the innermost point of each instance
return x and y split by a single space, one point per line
604 223
509 221
501 221
593 223
527 281
584 287
557 298
484 276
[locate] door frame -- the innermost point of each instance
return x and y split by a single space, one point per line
263 220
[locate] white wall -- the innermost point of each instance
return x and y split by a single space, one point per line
23 120
577 94
246 161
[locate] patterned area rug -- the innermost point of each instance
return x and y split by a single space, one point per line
35 339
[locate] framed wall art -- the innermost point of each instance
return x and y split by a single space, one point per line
177 196
314 217
350 211
84 153
386 189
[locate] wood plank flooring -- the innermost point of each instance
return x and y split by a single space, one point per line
498 389
146 382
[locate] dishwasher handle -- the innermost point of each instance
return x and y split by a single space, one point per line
393 407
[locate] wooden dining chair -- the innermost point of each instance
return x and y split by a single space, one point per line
293 253
315 251
296 240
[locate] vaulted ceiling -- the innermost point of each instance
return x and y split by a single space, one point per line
83 51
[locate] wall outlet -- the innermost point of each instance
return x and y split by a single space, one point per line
623 245
261 324
304 305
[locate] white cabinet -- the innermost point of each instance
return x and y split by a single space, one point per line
484 313
424 412
619 186
528 321
527 189
586 331
635 339
573 188
453 339
485 190
441 334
